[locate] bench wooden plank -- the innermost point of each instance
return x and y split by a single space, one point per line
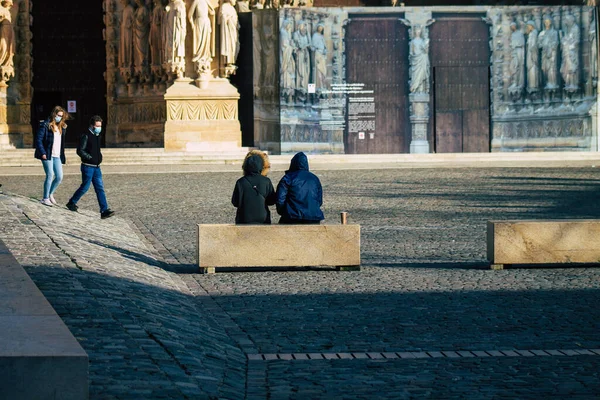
278 245
543 242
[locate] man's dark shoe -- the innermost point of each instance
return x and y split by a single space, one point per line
72 206
107 214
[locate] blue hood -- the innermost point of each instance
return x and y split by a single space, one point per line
299 163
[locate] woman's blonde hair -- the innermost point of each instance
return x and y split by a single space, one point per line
265 158
62 124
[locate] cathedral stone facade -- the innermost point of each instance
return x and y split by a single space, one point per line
285 76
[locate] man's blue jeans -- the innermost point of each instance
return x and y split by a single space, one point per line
54 175
91 175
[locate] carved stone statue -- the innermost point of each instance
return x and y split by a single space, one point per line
533 58
268 53
419 55
230 43
548 42
7 42
302 43
201 17
155 40
593 53
141 31
126 38
288 63
319 48
419 62
570 55
517 61
243 6
174 38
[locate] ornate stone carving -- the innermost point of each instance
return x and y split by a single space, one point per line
288 61
141 49
302 45
230 43
243 6
418 22
155 39
548 43
533 58
419 55
319 48
202 110
593 37
201 18
570 54
517 61
7 42
126 40
174 39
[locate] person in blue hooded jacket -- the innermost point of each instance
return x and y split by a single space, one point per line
299 194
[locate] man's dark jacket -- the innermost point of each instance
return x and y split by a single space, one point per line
44 141
299 193
253 193
89 148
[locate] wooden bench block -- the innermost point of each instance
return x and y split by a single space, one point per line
543 242
278 246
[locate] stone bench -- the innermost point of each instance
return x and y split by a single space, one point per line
543 242
247 246
39 357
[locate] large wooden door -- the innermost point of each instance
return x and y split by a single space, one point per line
376 57
69 61
460 60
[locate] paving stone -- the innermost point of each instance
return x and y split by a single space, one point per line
423 287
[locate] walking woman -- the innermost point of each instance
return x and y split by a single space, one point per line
50 148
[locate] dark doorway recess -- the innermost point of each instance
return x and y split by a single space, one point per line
376 54
242 80
460 58
69 61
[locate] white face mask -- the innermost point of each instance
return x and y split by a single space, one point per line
57 119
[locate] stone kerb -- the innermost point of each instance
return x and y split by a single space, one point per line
278 246
543 242
39 357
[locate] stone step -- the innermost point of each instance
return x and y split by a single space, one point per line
149 156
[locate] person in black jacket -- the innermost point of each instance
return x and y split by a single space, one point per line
299 194
50 149
91 158
253 193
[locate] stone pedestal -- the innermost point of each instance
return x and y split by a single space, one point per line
419 118
204 119
595 136
15 125
5 142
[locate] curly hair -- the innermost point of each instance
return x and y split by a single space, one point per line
265 158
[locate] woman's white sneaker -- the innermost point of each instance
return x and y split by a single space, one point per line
52 200
46 202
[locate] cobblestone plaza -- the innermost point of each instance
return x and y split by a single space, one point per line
424 317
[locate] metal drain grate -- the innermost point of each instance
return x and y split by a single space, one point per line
421 355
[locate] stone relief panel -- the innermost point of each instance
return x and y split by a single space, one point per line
266 80
543 77
311 59
202 110
15 73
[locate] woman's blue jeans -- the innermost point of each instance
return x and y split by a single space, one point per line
54 175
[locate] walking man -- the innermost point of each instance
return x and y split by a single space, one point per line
91 158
